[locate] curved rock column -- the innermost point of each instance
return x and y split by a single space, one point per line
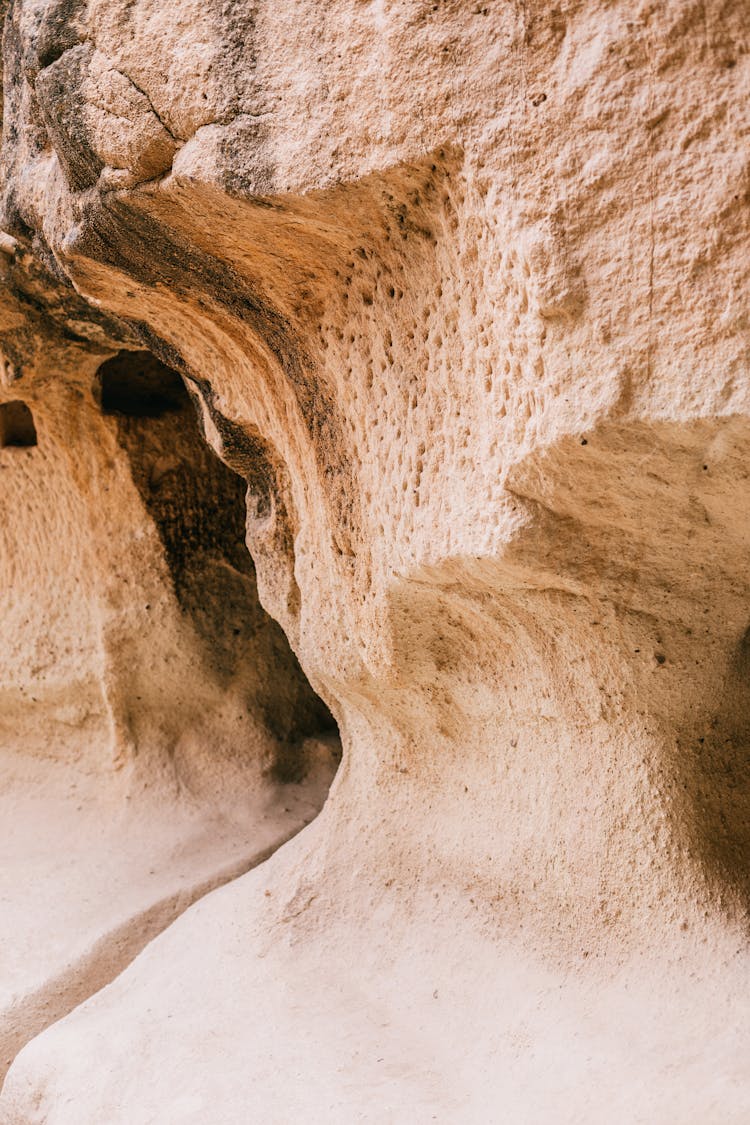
459 292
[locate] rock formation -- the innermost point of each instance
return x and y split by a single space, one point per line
154 724
460 291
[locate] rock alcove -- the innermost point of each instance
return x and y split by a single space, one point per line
17 429
459 294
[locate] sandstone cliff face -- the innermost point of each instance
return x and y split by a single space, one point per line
460 291
155 727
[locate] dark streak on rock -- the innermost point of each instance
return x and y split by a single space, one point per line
59 90
58 31
118 235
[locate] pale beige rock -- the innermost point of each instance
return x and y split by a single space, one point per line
154 726
461 292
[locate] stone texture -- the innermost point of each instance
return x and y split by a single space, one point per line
154 725
460 291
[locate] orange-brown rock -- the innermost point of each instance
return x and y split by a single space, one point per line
459 290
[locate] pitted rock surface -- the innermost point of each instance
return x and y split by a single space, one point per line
458 293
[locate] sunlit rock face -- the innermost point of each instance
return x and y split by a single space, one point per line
460 292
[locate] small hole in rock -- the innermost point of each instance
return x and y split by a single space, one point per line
138 385
16 425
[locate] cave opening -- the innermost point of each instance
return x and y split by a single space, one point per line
198 506
17 429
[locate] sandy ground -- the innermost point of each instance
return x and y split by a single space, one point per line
317 1018
90 873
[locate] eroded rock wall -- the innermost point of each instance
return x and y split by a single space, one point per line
156 733
460 291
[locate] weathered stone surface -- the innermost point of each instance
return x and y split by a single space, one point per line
154 725
460 291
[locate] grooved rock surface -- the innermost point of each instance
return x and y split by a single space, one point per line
460 291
